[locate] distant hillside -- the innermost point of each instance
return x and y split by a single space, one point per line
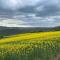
57 28
16 30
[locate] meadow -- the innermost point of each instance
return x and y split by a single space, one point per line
31 46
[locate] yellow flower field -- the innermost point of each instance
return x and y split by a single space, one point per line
31 46
29 36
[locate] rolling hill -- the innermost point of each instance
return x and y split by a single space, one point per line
31 46
8 31
29 36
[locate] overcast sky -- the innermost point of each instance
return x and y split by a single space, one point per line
30 13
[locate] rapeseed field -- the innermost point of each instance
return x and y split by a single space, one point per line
31 46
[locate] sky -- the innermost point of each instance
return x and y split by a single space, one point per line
30 13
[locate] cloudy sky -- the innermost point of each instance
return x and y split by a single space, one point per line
30 13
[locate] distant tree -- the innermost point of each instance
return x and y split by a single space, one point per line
2 36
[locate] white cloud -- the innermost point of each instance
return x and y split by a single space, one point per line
39 22
13 23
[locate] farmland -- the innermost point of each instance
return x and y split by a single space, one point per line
31 46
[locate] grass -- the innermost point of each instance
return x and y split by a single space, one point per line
31 46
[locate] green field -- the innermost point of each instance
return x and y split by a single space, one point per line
31 46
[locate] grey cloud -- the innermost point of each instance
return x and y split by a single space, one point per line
28 9
9 8
16 4
47 8
33 12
